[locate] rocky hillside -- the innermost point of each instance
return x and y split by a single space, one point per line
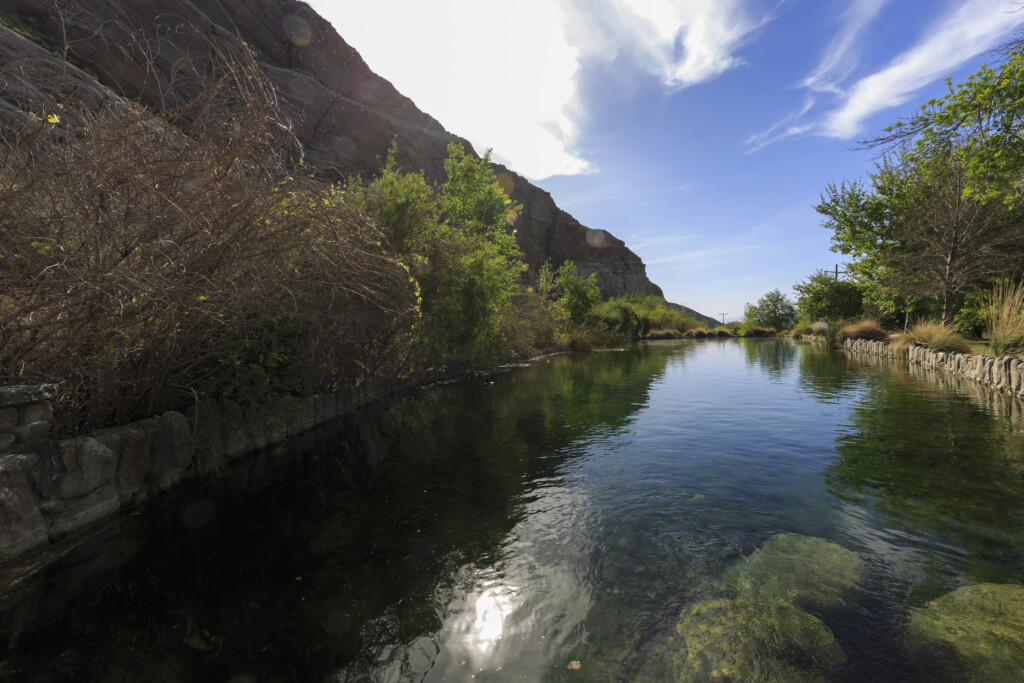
344 114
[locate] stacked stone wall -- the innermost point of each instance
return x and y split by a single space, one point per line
1004 374
53 488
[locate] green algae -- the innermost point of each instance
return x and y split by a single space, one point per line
975 633
735 640
810 572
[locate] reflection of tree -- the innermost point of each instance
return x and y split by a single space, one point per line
932 460
363 547
772 355
826 374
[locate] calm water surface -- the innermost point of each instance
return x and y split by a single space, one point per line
567 512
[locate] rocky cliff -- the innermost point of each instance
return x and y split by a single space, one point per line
345 115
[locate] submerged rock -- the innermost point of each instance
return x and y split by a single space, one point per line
975 633
735 640
810 572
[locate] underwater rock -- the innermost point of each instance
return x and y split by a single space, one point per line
975 633
734 640
810 572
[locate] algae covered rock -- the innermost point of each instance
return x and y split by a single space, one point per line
810 572
975 633
735 640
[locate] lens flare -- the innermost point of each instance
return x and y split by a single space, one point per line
297 29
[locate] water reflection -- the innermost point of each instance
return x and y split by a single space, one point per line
930 460
828 375
773 356
573 511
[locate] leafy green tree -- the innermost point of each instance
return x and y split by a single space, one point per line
456 243
823 297
980 121
774 309
402 204
919 235
579 294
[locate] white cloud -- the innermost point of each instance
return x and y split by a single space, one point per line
501 75
788 124
840 56
975 27
505 75
682 42
972 28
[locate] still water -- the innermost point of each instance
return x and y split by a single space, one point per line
570 520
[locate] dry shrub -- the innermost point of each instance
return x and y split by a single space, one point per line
578 341
663 334
698 333
1004 318
863 329
934 336
148 259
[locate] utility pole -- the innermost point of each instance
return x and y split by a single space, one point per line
723 317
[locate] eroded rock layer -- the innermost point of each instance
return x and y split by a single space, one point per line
345 115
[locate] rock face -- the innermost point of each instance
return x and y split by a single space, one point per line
344 114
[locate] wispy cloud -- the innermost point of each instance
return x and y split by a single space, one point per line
840 58
975 27
784 128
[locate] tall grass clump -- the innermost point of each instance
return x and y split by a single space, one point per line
758 331
1004 316
934 336
862 329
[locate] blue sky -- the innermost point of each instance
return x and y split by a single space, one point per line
700 132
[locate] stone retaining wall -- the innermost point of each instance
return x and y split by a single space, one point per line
51 488
1005 374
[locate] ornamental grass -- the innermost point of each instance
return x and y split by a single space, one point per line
863 329
1003 318
934 336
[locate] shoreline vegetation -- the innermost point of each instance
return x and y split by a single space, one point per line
932 238
153 260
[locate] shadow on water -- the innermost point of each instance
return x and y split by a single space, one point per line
597 510
335 554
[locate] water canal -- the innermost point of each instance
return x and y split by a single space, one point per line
617 516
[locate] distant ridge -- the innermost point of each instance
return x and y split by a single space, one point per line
699 317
